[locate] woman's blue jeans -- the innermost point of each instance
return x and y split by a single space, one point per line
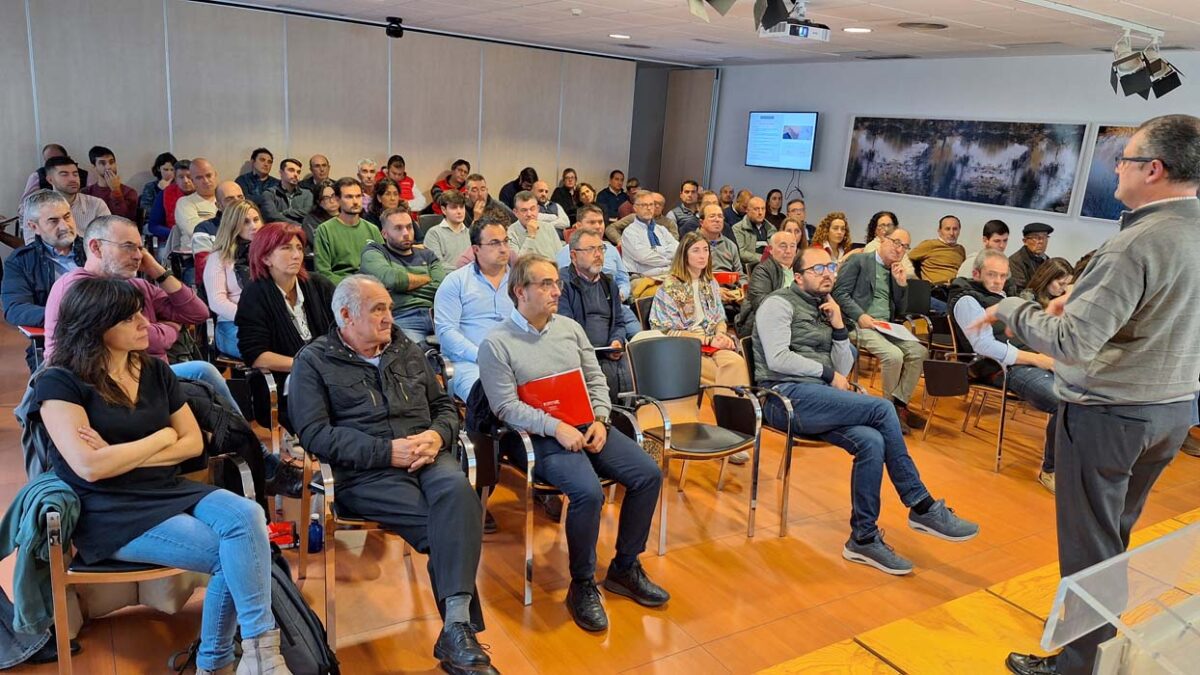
225 536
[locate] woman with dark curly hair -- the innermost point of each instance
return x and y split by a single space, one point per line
833 235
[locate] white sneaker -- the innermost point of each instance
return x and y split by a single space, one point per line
739 458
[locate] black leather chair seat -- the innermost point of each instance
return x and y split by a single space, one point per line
697 438
110 566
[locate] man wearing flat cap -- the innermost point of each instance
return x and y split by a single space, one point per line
1025 262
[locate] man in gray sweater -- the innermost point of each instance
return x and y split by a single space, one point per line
1127 361
534 343
802 351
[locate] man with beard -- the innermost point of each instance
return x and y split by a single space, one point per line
411 275
63 175
339 242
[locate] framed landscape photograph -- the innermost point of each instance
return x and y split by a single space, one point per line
1098 199
1025 165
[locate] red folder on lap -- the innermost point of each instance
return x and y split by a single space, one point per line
563 396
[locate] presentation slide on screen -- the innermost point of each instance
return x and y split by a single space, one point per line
782 140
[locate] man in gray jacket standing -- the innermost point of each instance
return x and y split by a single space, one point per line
1127 362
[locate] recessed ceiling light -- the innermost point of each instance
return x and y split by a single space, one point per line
856 30
618 36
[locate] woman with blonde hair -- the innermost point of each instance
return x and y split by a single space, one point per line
833 235
227 270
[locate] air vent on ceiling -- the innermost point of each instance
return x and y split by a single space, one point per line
922 25
885 57
634 46
1010 45
707 41
1173 48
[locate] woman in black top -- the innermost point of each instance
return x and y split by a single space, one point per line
120 428
565 194
325 206
775 214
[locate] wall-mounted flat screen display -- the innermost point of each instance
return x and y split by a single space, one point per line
781 140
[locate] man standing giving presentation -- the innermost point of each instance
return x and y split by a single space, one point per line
1127 361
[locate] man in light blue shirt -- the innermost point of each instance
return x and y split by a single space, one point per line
591 218
471 301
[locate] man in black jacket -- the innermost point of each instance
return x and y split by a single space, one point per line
769 276
872 289
365 401
591 298
32 269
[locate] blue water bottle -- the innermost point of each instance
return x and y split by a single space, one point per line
316 534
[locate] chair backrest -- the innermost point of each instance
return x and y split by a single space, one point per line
642 307
735 413
748 354
666 367
917 301
946 378
424 222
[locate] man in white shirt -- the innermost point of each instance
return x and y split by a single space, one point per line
549 213
529 234
63 175
647 248
195 208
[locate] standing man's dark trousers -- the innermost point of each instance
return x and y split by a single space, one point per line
436 512
1108 458
578 475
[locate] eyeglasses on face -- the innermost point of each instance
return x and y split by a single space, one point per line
830 267
494 243
899 244
547 284
590 250
1137 160
126 247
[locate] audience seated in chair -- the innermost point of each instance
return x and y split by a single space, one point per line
871 287
318 172
480 202
802 350
1035 237
409 192
449 239
394 468
833 235
522 183
471 301
616 228
632 187
205 234
550 213
340 241
455 181
613 195
162 213
565 194
686 216
258 180
1030 374
590 297
735 210
287 201
38 179
529 234
30 271
63 175
753 232
227 271
797 209
163 170
647 247
772 274
995 237
591 219
533 343
120 199
412 275
940 258
325 206
195 208
120 428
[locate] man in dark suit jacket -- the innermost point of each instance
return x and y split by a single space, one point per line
872 288
590 297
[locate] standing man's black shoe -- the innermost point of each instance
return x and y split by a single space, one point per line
489 523
633 583
583 601
459 652
1032 664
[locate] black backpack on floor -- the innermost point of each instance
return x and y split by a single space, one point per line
302 638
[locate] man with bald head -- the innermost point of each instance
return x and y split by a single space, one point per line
872 288
802 351
228 193
318 166
768 276
550 213
753 232
195 208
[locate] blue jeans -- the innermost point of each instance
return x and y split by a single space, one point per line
227 339
630 321
416 324
578 475
207 373
1036 386
864 426
225 536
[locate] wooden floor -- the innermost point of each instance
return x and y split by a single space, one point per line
738 605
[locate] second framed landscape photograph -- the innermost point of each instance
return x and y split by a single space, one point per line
1099 200
1027 165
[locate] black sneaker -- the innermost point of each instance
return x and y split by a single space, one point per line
1032 664
458 651
634 584
583 602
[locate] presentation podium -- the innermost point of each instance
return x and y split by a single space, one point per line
1151 594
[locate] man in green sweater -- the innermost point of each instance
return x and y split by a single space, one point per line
411 275
339 242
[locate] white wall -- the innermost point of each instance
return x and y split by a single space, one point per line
236 79
1041 89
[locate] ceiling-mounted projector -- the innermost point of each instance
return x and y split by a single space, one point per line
776 22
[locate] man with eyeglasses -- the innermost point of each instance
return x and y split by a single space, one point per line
802 351
774 273
591 298
1025 262
872 288
646 246
590 218
1127 362
529 234
533 343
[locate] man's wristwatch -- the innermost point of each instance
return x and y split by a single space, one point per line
602 420
163 277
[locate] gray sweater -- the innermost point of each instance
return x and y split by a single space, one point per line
1128 334
513 353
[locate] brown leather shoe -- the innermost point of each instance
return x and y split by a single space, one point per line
1191 444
